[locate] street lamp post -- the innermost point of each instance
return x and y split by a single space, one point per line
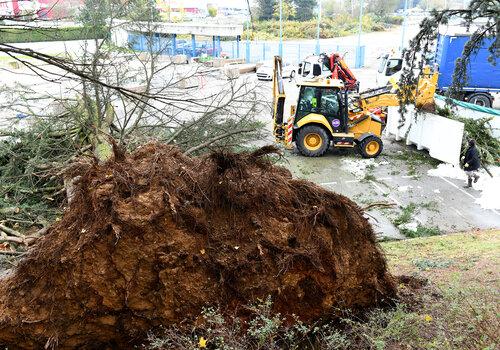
281 29
318 48
405 23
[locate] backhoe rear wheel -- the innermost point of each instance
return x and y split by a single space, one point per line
312 141
371 147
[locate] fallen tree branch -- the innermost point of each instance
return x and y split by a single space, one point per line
8 252
215 139
379 204
16 240
42 190
373 217
10 231
10 210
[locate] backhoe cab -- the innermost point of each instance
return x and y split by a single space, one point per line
321 118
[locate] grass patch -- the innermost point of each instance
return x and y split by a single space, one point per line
406 214
369 177
480 248
305 170
14 35
431 206
421 231
426 264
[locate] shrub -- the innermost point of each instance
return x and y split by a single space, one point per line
330 27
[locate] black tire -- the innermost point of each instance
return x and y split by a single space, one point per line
292 74
480 99
312 141
368 150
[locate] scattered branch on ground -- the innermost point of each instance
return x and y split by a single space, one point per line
379 205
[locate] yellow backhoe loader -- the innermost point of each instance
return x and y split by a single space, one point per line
325 114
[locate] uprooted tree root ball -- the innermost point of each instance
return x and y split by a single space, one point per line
154 236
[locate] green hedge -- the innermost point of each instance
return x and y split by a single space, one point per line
12 35
339 25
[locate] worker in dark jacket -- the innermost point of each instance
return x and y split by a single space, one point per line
472 162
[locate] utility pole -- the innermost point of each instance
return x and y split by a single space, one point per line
169 11
405 23
318 48
360 30
281 29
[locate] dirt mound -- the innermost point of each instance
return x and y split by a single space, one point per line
154 236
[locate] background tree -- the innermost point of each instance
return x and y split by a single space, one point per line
382 7
265 9
305 9
212 11
288 12
109 95
333 7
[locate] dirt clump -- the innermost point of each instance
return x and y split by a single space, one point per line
153 236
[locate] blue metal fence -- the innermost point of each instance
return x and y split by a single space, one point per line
293 52
254 51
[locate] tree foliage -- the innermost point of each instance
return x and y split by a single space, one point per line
212 11
382 7
288 11
305 9
265 9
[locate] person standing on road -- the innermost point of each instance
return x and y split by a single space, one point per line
472 162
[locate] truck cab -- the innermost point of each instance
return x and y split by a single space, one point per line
312 67
389 69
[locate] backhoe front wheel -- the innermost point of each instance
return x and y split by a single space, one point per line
312 141
371 147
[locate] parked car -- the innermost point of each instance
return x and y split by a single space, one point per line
265 72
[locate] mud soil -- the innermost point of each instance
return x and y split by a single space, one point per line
154 236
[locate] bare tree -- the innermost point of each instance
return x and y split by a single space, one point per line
104 95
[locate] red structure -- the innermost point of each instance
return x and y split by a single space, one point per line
58 9
9 8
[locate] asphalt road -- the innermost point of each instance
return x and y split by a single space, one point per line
395 178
